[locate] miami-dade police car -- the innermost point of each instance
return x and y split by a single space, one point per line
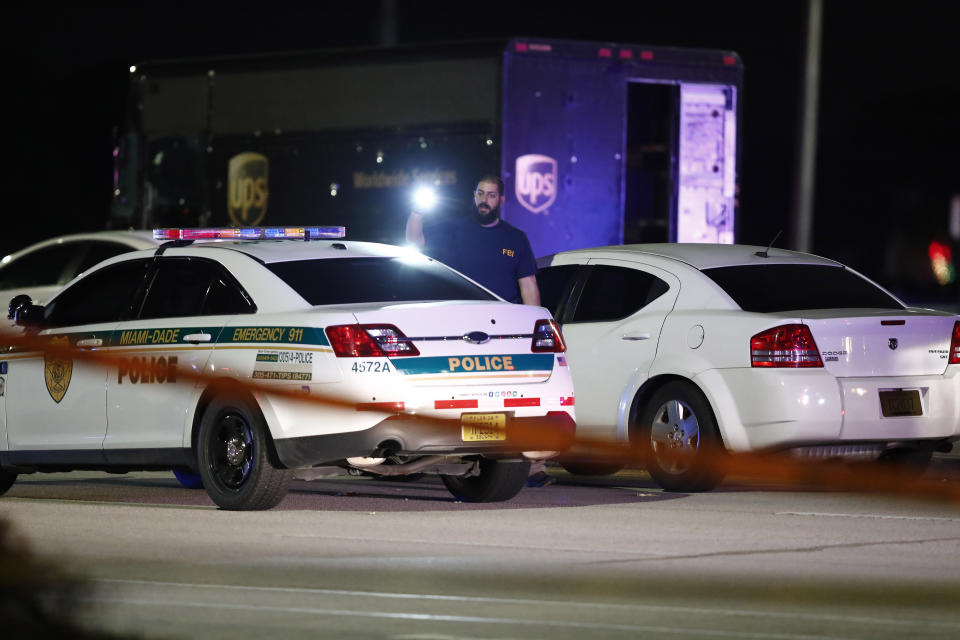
381 359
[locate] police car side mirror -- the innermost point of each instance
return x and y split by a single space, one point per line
24 313
16 302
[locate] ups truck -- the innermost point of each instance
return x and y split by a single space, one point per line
597 143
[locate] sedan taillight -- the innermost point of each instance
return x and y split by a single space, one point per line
789 345
369 340
955 344
547 338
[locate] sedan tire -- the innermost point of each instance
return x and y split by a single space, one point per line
498 481
680 439
234 456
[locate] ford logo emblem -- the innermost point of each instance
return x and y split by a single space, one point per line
476 337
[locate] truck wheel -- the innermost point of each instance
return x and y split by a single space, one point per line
234 457
680 440
188 480
498 481
7 478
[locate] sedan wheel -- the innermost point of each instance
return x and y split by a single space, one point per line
680 439
233 453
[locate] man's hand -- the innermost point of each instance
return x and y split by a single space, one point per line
415 229
529 291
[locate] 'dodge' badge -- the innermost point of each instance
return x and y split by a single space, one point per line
247 188
57 370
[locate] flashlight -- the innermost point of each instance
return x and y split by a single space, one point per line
424 199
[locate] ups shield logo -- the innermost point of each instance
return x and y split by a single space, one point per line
57 370
247 188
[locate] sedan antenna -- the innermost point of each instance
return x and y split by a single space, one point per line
766 252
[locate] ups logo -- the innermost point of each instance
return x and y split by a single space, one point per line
247 188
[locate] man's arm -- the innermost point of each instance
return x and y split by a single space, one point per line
529 291
415 229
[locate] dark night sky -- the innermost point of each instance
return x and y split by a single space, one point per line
889 132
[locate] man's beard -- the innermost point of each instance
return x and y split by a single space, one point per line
485 215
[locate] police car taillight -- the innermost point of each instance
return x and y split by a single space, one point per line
955 344
369 340
547 338
789 345
250 233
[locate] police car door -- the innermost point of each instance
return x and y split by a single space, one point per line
153 386
612 335
57 400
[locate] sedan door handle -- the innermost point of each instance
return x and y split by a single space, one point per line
90 342
644 335
197 337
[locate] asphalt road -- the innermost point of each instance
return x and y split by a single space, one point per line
610 557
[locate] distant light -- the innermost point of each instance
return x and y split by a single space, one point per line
489 142
423 143
133 68
5 260
941 261
379 157
334 189
573 159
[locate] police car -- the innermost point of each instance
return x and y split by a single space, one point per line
250 357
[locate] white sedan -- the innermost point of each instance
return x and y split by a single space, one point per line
41 269
387 361
688 350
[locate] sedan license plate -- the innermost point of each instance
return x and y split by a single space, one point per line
483 427
895 404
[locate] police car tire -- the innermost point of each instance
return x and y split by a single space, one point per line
587 467
188 479
252 479
7 478
700 467
498 481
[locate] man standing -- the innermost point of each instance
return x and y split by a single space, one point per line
487 249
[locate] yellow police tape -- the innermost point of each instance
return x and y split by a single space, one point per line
774 469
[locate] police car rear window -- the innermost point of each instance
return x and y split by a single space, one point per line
352 280
769 288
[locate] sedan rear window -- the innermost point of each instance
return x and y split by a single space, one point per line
352 280
790 287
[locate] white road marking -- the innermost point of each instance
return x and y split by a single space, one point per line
429 617
551 603
876 516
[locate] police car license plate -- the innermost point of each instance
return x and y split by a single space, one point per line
483 427
900 403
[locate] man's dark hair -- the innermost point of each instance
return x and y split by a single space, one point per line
492 178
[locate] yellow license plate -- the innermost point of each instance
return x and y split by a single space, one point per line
483 427
900 403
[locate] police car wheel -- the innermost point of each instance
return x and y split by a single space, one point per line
680 440
498 481
234 456
7 478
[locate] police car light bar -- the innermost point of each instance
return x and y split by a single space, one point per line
250 233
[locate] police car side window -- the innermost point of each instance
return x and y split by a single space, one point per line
103 296
613 293
184 287
97 251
